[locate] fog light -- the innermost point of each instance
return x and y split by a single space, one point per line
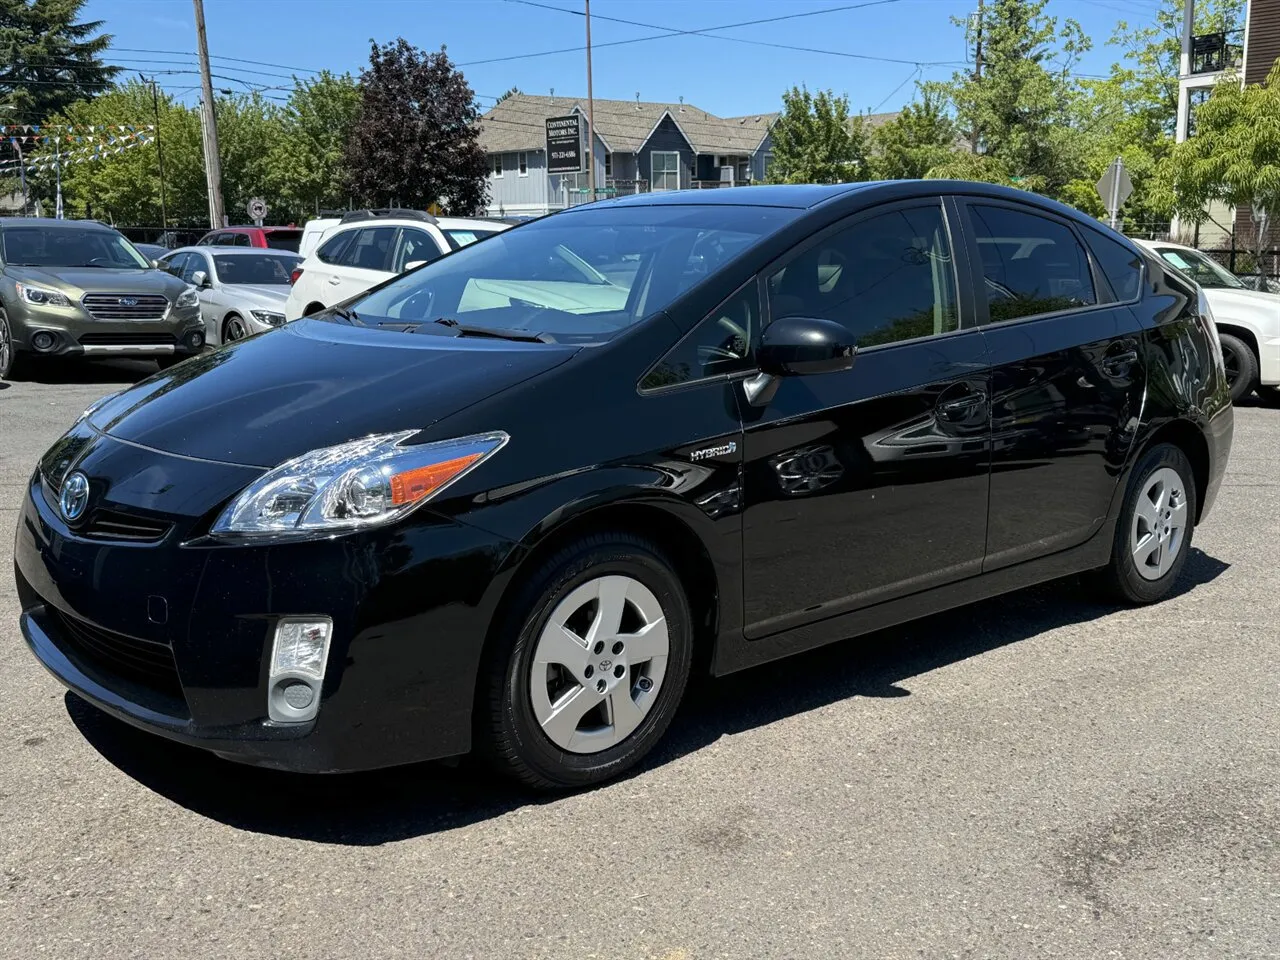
44 340
299 654
195 340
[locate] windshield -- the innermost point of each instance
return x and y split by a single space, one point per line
270 268
580 276
69 247
459 238
1201 268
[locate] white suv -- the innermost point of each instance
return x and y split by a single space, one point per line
1248 321
369 246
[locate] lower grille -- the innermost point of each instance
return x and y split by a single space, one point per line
144 662
125 306
126 339
113 525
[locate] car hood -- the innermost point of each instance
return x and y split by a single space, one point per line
313 384
1225 300
266 295
82 280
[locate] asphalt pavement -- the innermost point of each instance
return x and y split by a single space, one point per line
1039 776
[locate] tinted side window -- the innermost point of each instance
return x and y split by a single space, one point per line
1119 264
1031 265
886 279
241 240
371 249
415 246
331 250
207 239
195 261
719 345
175 264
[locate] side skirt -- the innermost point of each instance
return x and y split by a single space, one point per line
735 653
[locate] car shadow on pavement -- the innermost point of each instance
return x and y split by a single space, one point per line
396 804
124 372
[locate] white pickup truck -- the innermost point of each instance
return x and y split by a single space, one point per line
1248 321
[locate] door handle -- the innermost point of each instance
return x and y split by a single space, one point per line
957 409
334 281
1120 362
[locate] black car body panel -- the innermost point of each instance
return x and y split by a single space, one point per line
837 504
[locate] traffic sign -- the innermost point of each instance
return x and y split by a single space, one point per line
257 210
1115 188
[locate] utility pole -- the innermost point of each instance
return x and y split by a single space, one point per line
155 107
977 68
591 113
209 123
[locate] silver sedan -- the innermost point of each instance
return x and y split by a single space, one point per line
242 289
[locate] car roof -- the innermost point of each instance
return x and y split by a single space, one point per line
466 223
1153 244
234 251
55 224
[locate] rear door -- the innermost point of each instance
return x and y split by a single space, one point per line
365 261
1067 379
869 484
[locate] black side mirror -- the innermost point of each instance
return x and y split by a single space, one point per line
798 346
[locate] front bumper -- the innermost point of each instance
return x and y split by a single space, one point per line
410 609
75 333
1269 361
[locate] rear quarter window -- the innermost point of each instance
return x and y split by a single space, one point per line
284 240
1119 263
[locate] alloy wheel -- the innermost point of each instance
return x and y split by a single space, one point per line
1231 365
235 330
1159 524
599 664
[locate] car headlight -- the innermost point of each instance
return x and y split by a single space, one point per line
189 297
352 486
42 296
268 316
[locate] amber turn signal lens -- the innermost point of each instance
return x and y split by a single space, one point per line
413 485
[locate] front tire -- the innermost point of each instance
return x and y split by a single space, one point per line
234 329
13 365
1153 536
589 667
1241 366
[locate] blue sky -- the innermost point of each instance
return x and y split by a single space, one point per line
725 76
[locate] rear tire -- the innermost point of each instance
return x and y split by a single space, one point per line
1241 365
589 666
1153 535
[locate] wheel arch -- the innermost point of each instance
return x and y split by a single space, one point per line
654 520
1245 334
1190 439
312 307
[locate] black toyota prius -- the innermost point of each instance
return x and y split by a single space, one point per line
505 502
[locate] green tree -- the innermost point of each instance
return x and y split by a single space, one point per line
308 169
1017 113
416 140
1235 155
48 60
249 131
918 139
817 140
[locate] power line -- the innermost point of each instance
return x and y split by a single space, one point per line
671 32
190 53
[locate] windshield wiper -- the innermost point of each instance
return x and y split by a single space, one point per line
495 333
349 315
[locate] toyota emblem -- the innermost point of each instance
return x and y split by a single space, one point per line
128 301
74 497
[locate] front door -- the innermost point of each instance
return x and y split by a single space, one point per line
1067 379
871 483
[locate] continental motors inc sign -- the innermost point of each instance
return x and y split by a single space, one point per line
564 144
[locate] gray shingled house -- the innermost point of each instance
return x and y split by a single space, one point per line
639 146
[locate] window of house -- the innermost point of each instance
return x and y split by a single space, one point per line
497 165
1121 265
718 346
608 164
1196 98
885 279
665 169
1031 265
523 162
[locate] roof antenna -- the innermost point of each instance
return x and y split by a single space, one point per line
637 99
682 104
553 94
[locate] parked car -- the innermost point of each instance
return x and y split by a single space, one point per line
1248 320
484 507
275 238
152 251
369 246
72 288
242 289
